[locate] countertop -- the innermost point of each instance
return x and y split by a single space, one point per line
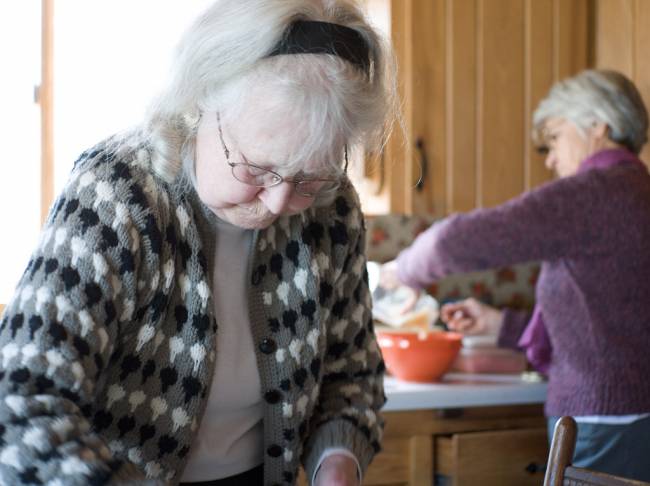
458 390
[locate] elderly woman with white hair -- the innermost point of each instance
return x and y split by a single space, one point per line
197 310
590 228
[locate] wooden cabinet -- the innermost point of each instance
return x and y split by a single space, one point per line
471 73
460 447
498 458
456 446
403 461
621 36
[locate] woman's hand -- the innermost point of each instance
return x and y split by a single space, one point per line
389 280
470 316
337 470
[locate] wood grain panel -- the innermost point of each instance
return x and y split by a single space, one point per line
572 49
398 150
501 119
493 458
461 105
419 422
621 37
409 443
47 107
538 78
615 35
429 124
642 66
421 460
391 465
471 74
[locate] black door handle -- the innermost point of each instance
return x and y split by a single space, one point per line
424 163
534 468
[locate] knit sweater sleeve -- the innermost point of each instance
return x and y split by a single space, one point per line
60 329
351 393
514 323
553 221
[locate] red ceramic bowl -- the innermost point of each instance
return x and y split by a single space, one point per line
419 356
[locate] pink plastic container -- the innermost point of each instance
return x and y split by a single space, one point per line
480 354
489 360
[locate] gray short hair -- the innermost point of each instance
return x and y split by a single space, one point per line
226 49
597 96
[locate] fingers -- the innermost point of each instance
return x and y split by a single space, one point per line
454 310
447 312
470 307
461 325
475 307
461 316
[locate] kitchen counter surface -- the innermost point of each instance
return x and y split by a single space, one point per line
458 390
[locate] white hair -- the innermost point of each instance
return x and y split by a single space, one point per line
225 52
597 96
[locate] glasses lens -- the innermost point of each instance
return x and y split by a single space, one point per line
255 176
261 177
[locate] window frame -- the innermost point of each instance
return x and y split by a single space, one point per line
45 100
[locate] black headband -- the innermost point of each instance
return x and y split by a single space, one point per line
312 37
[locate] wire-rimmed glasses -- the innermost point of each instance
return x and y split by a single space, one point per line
254 175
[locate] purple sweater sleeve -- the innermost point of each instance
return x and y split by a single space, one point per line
546 223
514 323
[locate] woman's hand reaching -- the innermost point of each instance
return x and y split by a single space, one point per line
389 280
470 316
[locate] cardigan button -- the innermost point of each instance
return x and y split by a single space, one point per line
268 346
274 450
272 397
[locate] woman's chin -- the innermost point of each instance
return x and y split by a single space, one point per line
257 224
246 217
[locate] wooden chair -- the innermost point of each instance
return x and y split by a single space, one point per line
560 472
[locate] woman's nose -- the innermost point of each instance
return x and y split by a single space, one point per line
550 161
276 198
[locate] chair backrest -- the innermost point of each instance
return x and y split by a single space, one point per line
560 472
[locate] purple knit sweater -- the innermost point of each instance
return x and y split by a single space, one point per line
592 233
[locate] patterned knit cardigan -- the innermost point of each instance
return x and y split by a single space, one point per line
108 347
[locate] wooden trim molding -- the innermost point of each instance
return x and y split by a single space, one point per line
46 103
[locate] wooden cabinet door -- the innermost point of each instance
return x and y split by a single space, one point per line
496 458
406 459
621 36
395 465
392 464
471 73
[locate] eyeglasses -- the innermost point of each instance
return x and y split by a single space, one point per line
254 175
543 150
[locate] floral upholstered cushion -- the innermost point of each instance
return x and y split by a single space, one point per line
389 234
512 286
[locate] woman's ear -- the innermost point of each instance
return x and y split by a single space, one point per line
599 137
600 130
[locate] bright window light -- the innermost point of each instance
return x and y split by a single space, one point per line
110 58
20 171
